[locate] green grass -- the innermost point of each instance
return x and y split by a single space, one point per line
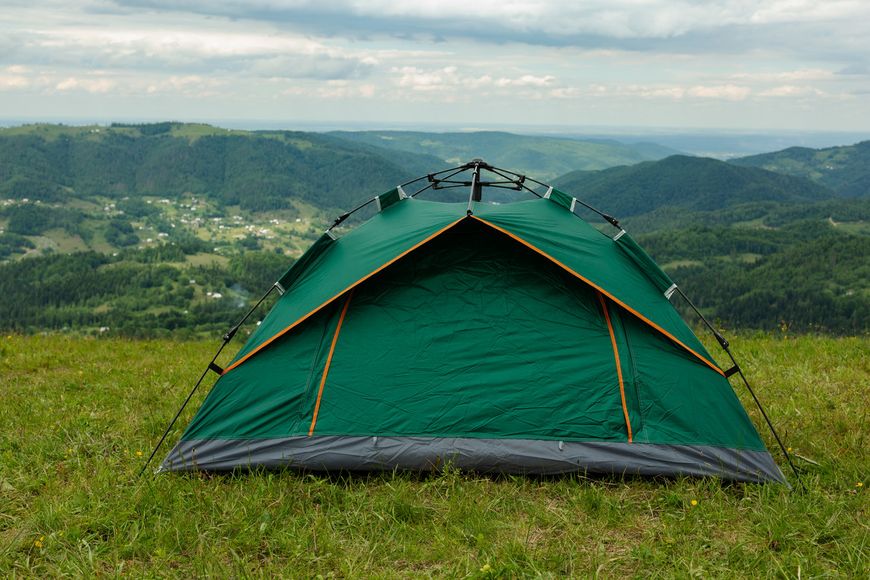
76 412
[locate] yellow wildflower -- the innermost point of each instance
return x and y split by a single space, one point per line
859 484
486 569
138 454
694 502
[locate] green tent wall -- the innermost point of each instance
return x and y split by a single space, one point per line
517 338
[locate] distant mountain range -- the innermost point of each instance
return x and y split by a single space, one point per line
257 170
688 183
845 170
539 157
171 227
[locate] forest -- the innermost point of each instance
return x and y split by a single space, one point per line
175 229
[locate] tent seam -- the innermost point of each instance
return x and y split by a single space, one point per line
618 366
507 233
302 319
328 363
602 290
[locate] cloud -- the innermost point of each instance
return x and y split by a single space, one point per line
807 74
334 90
13 82
87 85
528 21
727 92
791 91
269 55
195 86
526 81
456 84
439 59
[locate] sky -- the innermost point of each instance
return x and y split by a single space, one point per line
801 65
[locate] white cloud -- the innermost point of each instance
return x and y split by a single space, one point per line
526 81
84 84
750 59
185 85
809 74
454 84
285 55
791 91
727 92
548 18
13 82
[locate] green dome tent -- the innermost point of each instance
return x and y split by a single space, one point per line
508 337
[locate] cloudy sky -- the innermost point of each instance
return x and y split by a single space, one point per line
741 64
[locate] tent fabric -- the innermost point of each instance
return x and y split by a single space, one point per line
334 266
646 264
516 456
427 335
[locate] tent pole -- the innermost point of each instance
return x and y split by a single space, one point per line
340 219
211 366
431 175
608 218
726 347
476 190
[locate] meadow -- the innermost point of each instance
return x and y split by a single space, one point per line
80 415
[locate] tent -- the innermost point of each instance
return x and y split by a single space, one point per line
497 337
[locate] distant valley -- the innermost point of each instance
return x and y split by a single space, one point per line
543 158
174 228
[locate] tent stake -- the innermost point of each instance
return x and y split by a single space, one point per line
726 347
211 365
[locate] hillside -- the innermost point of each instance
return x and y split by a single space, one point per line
148 230
106 189
685 183
260 170
808 275
845 170
541 157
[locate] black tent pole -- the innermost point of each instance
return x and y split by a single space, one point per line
338 221
475 193
766 418
608 218
211 366
726 347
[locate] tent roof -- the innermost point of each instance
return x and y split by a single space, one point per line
333 266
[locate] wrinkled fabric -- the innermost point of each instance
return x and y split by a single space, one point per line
332 267
476 336
519 456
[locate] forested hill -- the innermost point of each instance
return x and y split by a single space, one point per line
175 228
256 170
536 156
688 183
846 170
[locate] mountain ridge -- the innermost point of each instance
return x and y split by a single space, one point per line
685 182
844 169
541 157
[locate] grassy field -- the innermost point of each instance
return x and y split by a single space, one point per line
79 416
